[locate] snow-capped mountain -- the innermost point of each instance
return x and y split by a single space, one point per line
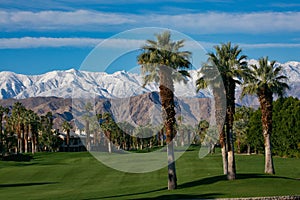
73 83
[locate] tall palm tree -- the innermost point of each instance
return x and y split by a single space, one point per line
3 111
163 62
231 66
33 124
210 77
180 129
264 81
87 117
26 122
17 122
107 124
67 127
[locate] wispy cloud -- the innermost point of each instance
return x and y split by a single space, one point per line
211 22
285 5
38 42
271 45
45 20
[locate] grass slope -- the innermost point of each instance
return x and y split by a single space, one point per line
81 176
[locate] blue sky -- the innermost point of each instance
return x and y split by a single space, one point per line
40 36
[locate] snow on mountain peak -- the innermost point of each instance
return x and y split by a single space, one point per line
120 84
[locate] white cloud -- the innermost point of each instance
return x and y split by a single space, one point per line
285 5
211 22
270 45
45 20
37 42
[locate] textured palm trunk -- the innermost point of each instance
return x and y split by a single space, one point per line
26 139
238 145
182 138
88 142
266 99
162 137
231 175
248 149
36 141
108 139
68 140
20 146
220 106
33 144
166 91
224 152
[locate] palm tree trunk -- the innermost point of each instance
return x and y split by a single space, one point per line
68 140
88 142
238 144
266 112
220 106
230 93
269 166
231 175
161 136
172 179
26 139
33 144
166 91
248 149
224 151
108 139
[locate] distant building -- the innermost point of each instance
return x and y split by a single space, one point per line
77 142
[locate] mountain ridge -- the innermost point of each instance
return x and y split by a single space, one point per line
72 83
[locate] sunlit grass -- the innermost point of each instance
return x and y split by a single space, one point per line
81 176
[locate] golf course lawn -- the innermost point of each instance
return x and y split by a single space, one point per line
80 176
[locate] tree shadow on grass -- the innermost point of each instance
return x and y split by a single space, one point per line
165 196
184 196
214 179
25 184
127 195
264 176
203 181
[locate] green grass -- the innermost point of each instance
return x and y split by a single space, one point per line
81 176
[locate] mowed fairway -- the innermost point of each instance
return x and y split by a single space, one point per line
81 176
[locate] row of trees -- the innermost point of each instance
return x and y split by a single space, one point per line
163 62
263 80
23 131
102 131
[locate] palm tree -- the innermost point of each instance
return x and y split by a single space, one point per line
67 127
3 111
107 124
17 122
264 81
33 124
163 62
87 117
231 66
180 130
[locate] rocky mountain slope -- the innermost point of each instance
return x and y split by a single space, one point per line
64 93
118 85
